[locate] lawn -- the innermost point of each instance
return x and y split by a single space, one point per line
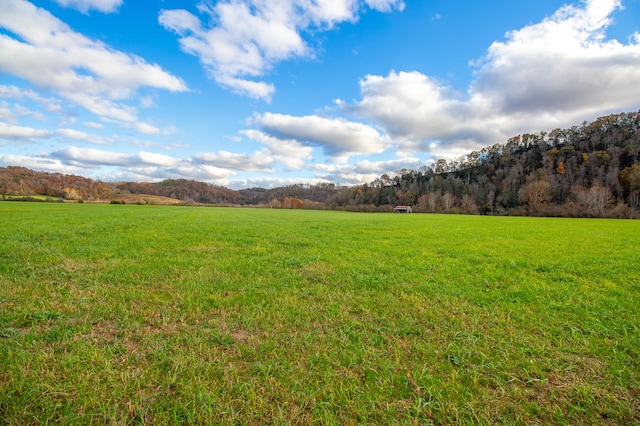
126 314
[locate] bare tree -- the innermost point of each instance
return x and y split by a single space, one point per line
447 200
595 199
275 204
428 202
468 206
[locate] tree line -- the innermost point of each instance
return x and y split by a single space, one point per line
591 170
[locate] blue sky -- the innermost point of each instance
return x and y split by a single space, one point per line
245 93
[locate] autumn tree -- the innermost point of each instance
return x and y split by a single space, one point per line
296 203
468 206
275 204
535 195
72 194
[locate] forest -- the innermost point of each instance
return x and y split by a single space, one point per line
591 170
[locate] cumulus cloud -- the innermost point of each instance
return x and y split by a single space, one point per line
562 64
411 106
80 136
11 132
239 41
555 73
338 137
291 153
49 54
106 6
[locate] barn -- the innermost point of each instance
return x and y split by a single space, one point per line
402 209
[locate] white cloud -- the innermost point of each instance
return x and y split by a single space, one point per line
91 157
339 138
6 114
258 161
143 166
103 107
92 125
562 64
14 92
19 132
37 163
150 129
412 106
147 102
143 143
238 41
555 73
106 6
26 112
97 157
52 56
385 5
364 171
389 167
10 113
80 136
291 153
10 92
157 159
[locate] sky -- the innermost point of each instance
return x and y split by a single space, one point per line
246 93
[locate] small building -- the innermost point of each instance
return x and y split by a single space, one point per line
402 209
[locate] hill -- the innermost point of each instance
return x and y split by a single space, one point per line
187 191
23 182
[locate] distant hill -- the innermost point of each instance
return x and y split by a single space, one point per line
22 181
188 191
320 193
592 170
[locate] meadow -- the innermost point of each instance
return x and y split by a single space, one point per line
127 314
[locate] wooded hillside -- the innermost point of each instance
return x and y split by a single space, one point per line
21 181
592 170
188 191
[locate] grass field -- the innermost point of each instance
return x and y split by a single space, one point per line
30 198
123 314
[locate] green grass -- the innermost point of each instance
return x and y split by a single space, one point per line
4 197
163 315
